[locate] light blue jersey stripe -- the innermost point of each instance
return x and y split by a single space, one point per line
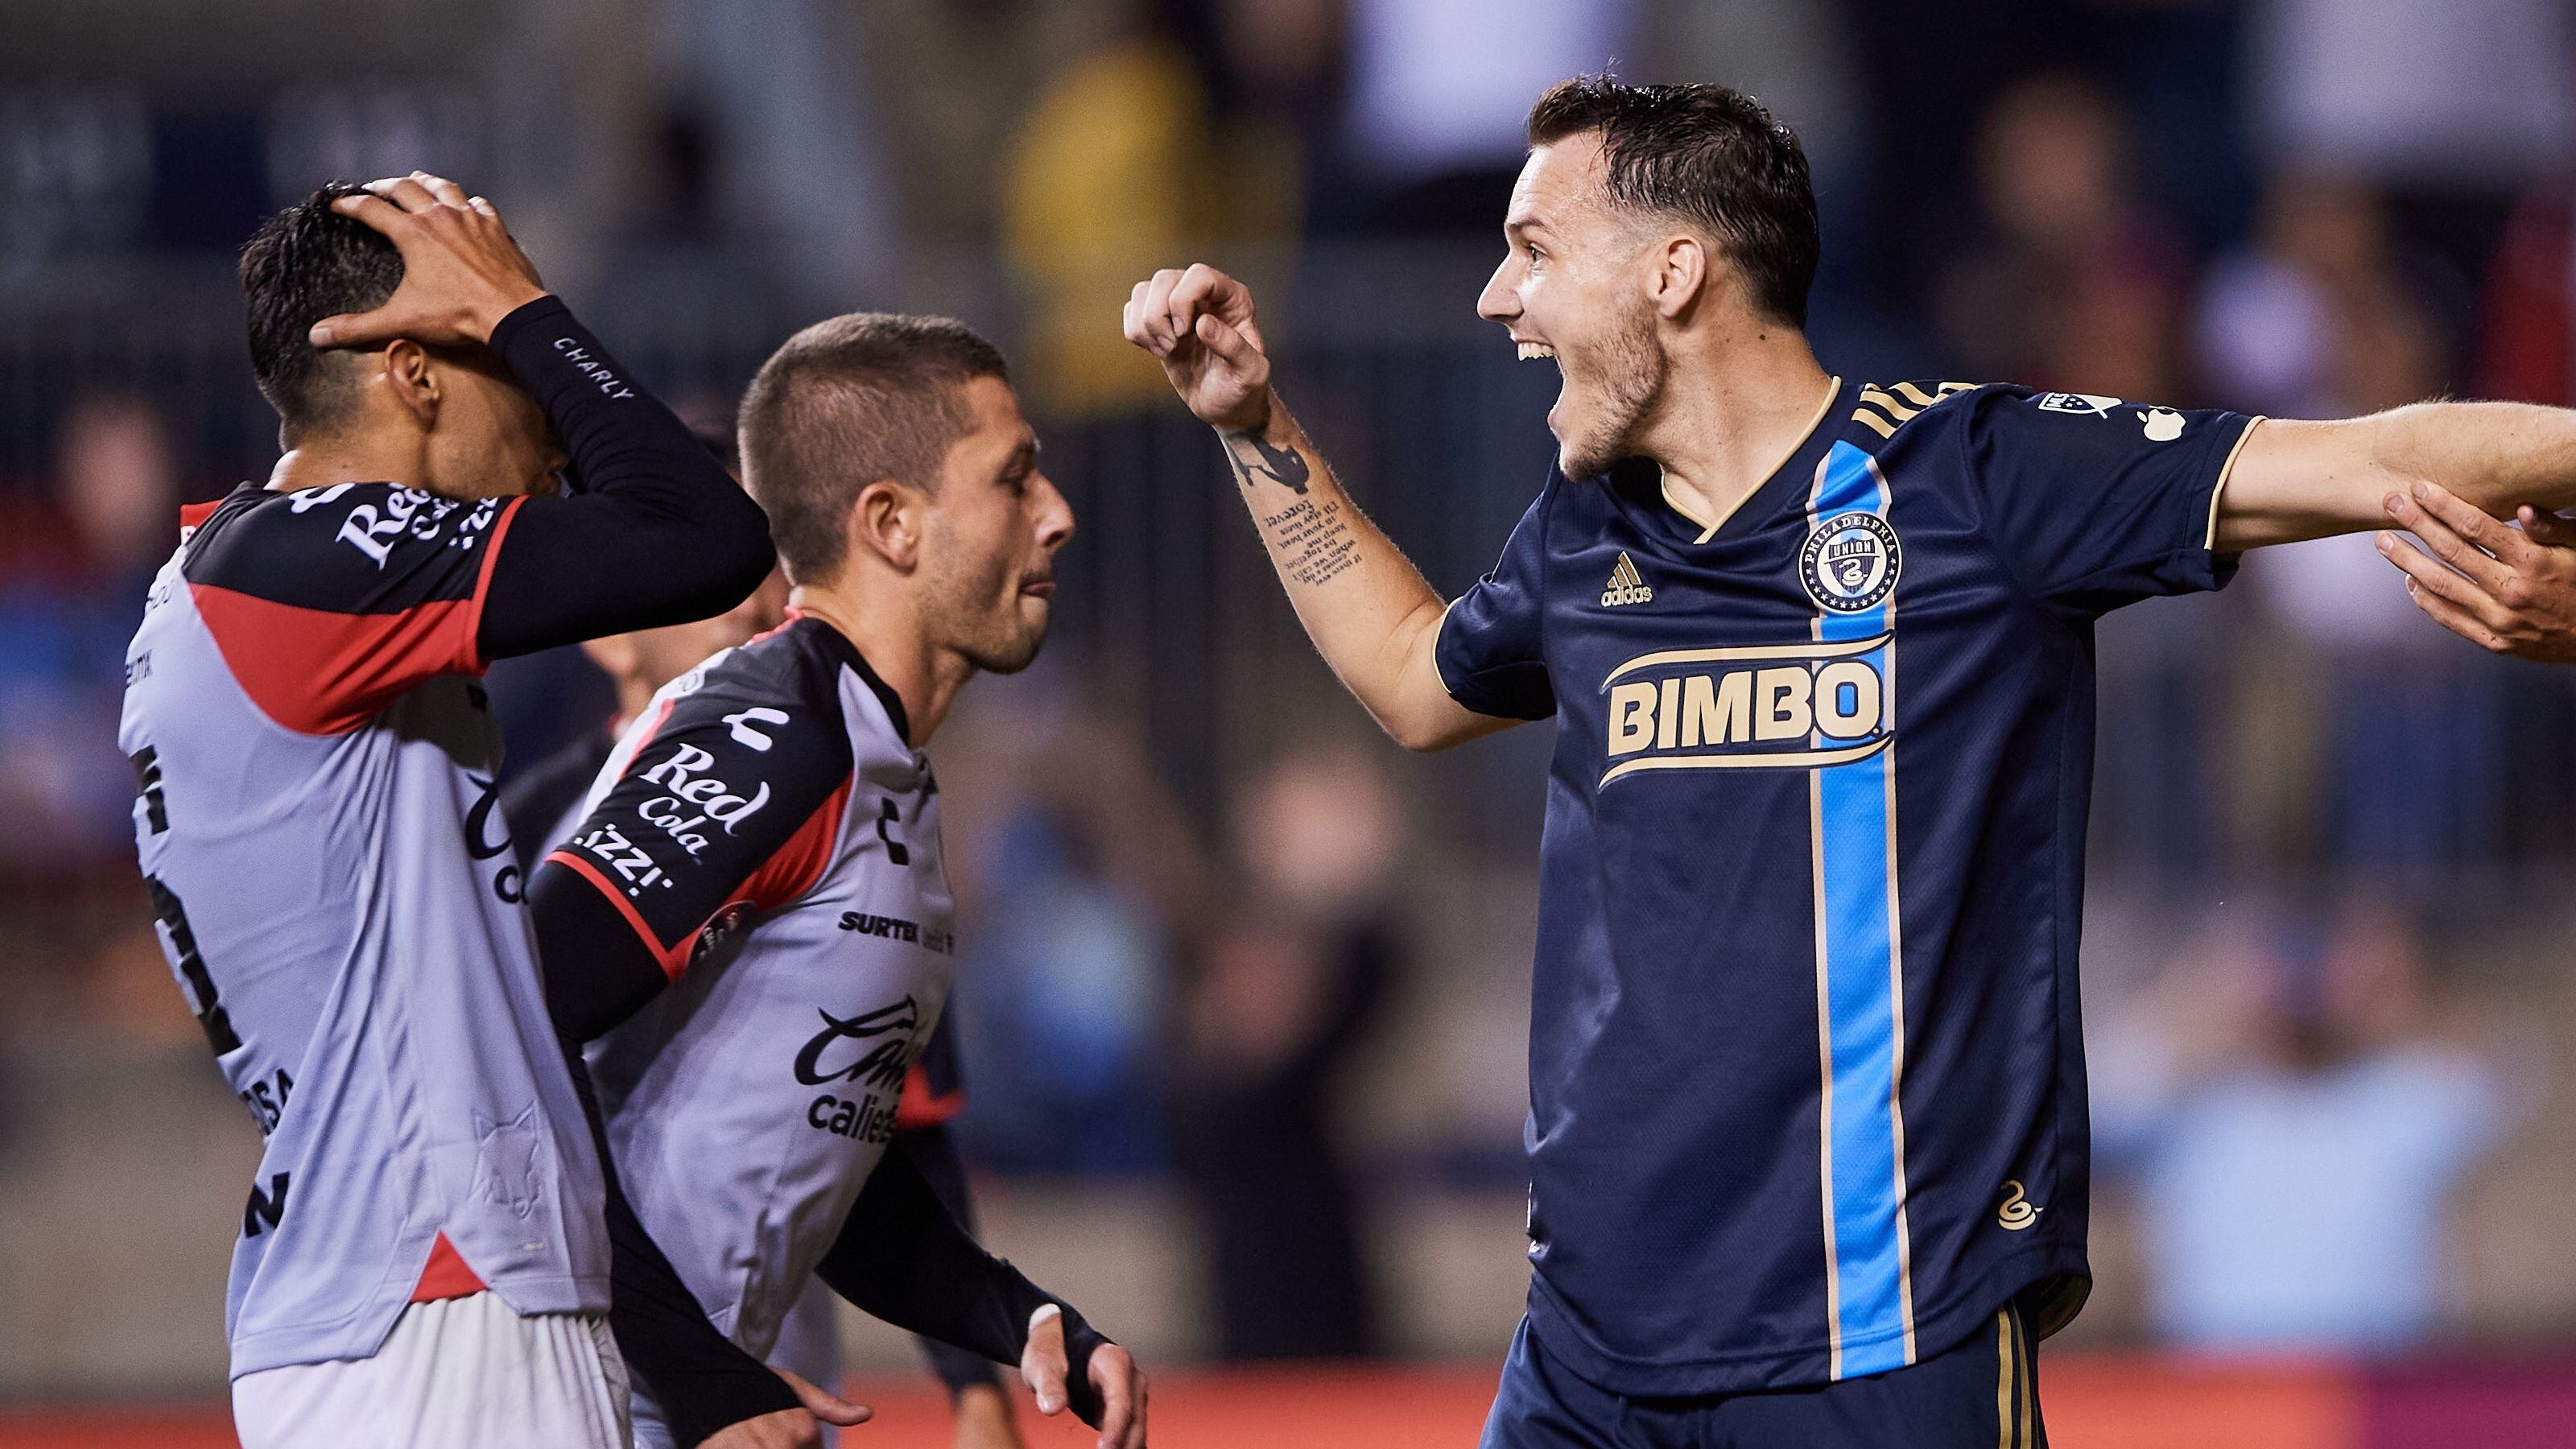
1858 983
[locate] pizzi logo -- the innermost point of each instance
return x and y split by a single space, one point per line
1850 562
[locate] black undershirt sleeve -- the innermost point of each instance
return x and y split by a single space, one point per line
902 1257
659 534
597 971
933 1150
699 1379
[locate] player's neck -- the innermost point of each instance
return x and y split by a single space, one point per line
1732 415
357 456
887 633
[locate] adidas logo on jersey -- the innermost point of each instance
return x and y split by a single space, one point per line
1626 586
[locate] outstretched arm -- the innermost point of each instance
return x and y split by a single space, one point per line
2297 480
1369 611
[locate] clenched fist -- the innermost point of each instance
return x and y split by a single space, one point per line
1200 323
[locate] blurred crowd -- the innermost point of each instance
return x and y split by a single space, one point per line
1191 887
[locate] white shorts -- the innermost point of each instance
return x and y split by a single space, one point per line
460 1373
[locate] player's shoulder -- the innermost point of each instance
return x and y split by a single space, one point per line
1878 415
349 547
786 693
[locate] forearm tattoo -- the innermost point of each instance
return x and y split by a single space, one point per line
1312 540
1311 537
1251 455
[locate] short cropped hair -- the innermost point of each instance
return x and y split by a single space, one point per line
306 263
846 402
1707 155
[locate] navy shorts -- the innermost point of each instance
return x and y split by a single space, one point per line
1982 1394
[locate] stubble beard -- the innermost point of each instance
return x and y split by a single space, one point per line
1630 381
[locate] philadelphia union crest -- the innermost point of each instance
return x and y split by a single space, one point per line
1850 562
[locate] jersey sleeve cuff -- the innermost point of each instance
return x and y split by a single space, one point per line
1519 691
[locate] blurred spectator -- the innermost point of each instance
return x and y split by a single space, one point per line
1284 994
1076 887
2327 316
2296 1122
2451 105
2072 284
1119 167
70 601
2526 348
1440 90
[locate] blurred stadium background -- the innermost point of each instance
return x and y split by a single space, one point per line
1243 994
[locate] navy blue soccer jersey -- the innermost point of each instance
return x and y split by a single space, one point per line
1806 1070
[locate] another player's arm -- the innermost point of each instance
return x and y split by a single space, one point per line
661 535
1370 612
903 1258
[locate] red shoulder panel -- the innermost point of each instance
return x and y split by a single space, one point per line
326 673
792 870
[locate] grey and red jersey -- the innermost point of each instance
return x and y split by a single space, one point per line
338 899
771 836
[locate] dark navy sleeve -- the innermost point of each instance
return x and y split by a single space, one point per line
2096 502
1489 649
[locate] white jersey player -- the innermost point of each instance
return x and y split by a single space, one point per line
423 1256
754 908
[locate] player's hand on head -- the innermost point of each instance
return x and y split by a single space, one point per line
1112 1372
1201 324
2507 590
461 271
799 1428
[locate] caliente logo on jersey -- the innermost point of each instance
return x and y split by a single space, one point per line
1755 706
1850 562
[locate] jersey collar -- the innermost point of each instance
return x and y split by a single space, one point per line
1675 520
844 648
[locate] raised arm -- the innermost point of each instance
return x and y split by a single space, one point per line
661 534
2297 480
1369 611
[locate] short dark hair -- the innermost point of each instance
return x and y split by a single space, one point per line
1708 155
850 400
306 263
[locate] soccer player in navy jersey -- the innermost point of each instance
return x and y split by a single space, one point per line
1807 1140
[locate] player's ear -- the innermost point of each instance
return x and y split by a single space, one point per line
885 519
410 377
1680 275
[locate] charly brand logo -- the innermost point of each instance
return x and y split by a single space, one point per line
1626 585
1753 706
2017 1212
1850 562
2162 425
